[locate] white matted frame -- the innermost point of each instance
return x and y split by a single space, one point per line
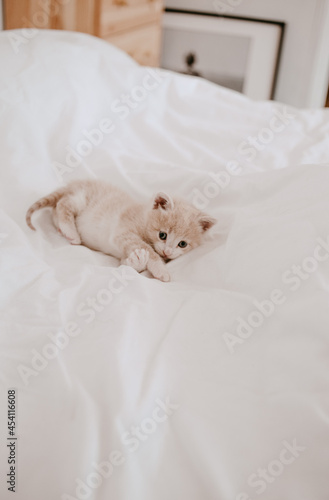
264 47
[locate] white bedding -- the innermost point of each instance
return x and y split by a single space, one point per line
164 380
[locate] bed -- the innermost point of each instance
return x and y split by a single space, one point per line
214 386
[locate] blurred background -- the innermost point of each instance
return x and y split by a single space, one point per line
266 49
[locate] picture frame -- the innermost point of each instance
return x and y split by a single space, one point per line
239 53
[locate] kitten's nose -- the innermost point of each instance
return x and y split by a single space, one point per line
167 252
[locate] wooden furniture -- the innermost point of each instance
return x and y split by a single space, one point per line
132 25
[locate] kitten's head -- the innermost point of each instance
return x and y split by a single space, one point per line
175 227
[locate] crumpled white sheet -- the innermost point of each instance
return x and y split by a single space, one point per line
214 386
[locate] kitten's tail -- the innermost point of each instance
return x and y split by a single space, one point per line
48 201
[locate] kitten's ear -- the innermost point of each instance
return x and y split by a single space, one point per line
162 200
206 222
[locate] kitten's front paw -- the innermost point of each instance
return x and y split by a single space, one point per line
164 276
158 270
138 259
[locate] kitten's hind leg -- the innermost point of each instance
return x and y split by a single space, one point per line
65 212
55 219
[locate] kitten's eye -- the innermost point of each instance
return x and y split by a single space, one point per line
162 236
182 244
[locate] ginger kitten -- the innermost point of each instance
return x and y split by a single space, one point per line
104 218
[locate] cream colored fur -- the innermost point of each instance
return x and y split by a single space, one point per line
102 217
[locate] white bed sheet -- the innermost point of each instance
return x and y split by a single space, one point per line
159 378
